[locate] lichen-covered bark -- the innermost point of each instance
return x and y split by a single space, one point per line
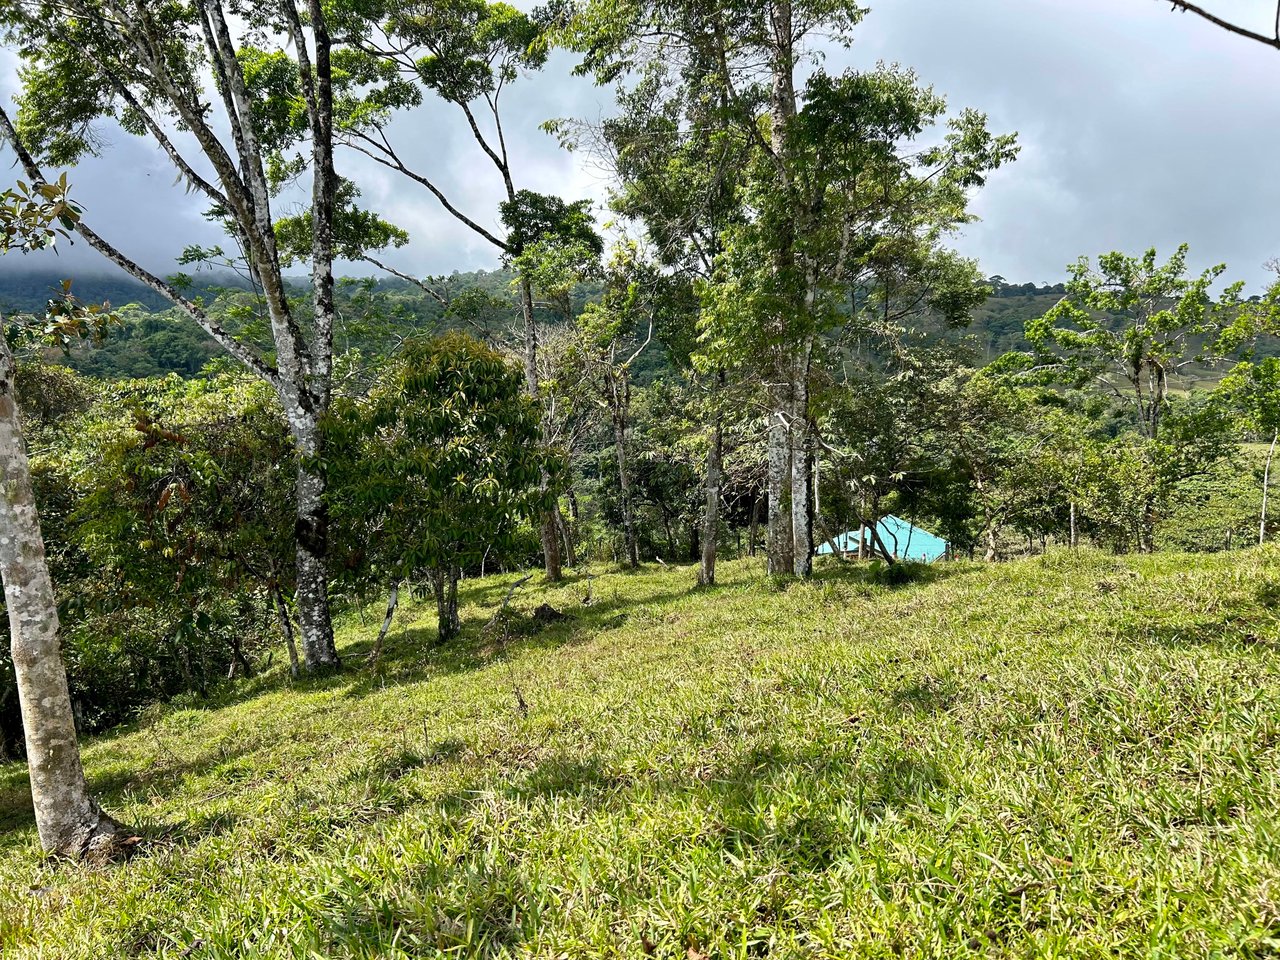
312 531
67 818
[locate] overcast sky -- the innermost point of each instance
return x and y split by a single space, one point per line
1138 127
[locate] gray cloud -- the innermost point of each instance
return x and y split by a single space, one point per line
1139 127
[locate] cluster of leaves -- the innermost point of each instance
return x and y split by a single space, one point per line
437 467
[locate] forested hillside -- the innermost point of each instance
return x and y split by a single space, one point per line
153 339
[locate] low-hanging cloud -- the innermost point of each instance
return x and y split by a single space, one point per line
1140 127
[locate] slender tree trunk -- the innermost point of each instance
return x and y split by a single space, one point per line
1074 534
801 475
1266 487
753 525
238 660
548 529
993 541
618 404
666 528
779 531
286 628
69 821
862 526
445 582
566 536
711 515
393 603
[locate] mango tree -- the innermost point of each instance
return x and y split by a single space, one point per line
437 466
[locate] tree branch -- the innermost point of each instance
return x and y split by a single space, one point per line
408 278
383 154
240 351
1272 41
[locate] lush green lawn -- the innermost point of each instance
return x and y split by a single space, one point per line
1070 757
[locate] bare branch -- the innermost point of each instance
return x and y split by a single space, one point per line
408 278
383 154
1272 41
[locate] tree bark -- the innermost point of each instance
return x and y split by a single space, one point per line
993 542
286 628
393 603
312 534
68 820
753 525
618 404
548 528
1266 485
445 582
711 515
778 535
1074 534
801 474
566 537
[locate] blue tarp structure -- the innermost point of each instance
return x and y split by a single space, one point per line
904 541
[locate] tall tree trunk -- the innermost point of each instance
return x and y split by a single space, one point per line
711 515
315 623
619 412
393 603
992 533
1074 533
548 528
801 473
753 525
68 820
1266 487
778 535
566 537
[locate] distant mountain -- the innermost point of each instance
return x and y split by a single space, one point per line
154 339
28 291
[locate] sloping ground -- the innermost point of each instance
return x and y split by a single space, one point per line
1074 757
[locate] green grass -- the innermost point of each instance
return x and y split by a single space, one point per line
1060 757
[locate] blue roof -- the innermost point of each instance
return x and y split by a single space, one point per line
903 540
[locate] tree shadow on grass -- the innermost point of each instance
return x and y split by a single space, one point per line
411 655
1232 632
746 806
111 789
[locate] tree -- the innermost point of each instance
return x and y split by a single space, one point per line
610 345
185 510
1131 325
1128 327
676 157
837 193
1254 390
466 52
90 59
69 821
437 466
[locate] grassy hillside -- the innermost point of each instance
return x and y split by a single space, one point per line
1067 756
